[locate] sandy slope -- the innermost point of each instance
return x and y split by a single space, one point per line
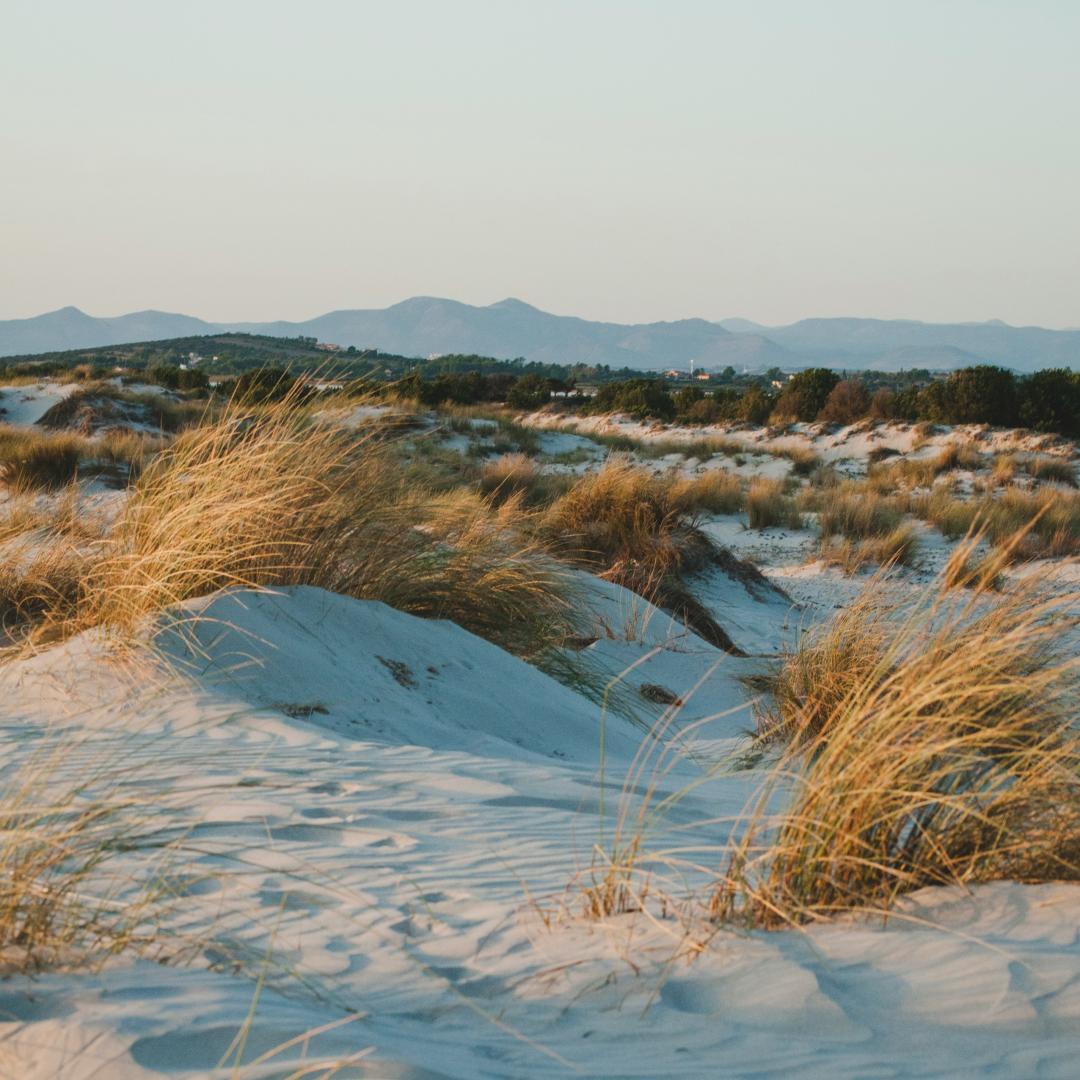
372 826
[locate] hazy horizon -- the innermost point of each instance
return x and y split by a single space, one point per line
627 162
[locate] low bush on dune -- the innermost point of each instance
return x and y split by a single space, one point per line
769 506
935 748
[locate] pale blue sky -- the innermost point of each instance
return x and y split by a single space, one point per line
629 160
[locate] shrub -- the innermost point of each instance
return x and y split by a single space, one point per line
755 405
529 392
1050 401
847 402
806 393
974 395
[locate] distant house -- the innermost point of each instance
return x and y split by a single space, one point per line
674 373
586 389
703 376
328 346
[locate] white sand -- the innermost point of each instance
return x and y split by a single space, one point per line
381 848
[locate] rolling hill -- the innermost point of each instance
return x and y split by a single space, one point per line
511 328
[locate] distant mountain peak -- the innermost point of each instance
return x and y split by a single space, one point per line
511 327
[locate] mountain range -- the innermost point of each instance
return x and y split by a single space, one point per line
510 328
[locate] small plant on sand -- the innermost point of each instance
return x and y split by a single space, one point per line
35 460
769 506
897 547
270 497
714 491
628 525
55 836
949 758
1052 470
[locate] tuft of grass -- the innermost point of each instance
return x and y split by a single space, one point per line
1052 470
854 513
39 461
510 475
768 505
811 681
55 836
517 476
895 548
273 499
715 491
948 757
803 461
628 525
1048 518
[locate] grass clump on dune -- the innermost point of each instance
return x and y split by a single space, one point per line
268 497
35 460
1051 470
769 506
948 756
897 547
55 838
518 476
1048 517
813 679
635 528
860 526
852 512
714 491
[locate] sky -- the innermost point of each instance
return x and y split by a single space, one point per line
626 160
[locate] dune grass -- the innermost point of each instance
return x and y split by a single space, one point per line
55 836
897 547
769 506
1051 470
715 491
269 497
518 475
636 529
812 679
32 460
1049 518
944 754
850 511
